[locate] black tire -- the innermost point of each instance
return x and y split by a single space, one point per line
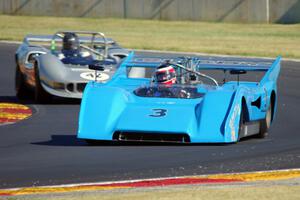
40 95
22 92
265 123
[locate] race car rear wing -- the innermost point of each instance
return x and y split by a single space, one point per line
248 64
271 67
273 72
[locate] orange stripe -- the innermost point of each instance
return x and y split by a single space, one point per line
43 190
258 176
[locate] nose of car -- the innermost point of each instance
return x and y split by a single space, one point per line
167 118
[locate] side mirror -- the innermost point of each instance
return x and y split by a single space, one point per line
238 71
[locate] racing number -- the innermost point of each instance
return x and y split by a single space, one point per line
158 113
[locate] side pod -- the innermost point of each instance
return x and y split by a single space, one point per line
213 112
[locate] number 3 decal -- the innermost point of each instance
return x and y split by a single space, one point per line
158 113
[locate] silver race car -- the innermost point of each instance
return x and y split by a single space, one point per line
62 64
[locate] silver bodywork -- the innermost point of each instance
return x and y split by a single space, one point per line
42 52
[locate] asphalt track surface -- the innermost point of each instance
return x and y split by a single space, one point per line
43 150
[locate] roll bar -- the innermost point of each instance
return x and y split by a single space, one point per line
60 34
194 72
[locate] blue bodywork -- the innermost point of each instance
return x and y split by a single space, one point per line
112 108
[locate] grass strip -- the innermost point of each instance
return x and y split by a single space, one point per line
264 40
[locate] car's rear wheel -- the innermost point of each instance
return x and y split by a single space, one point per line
265 123
22 91
40 95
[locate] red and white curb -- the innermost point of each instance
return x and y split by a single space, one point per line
12 112
159 182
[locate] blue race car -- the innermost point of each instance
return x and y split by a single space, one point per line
184 100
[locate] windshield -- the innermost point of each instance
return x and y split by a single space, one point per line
166 91
140 72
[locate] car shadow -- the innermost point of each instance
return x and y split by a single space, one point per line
72 140
62 140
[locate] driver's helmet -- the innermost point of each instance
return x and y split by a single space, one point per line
70 42
165 74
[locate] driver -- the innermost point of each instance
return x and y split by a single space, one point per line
165 78
165 74
71 52
71 45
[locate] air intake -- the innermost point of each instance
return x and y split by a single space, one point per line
151 137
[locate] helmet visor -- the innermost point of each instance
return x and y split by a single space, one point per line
164 76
